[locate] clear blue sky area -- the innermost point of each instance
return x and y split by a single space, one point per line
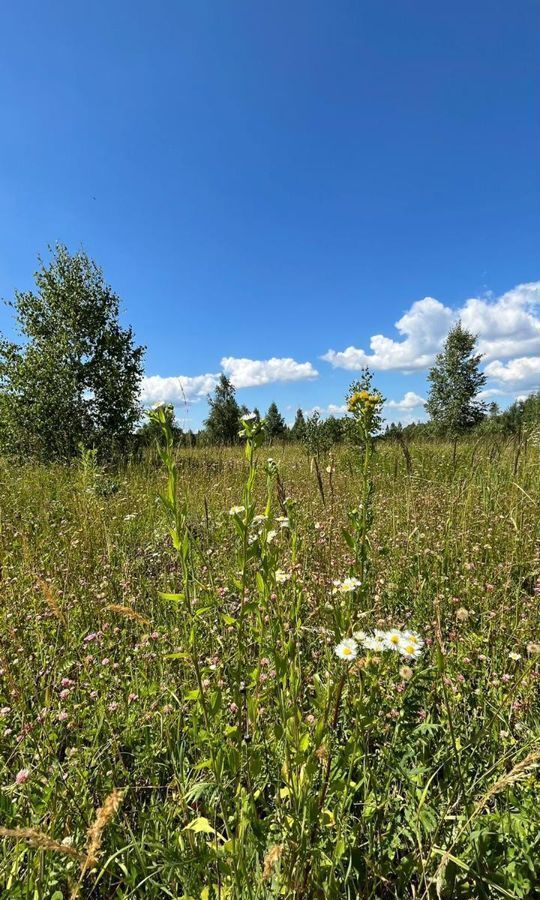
279 179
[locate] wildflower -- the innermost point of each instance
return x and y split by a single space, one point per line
412 638
346 586
270 536
411 651
406 673
237 510
392 639
462 614
514 656
533 648
283 521
282 577
22 776
369 641
248 417
347 649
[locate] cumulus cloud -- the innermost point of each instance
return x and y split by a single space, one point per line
410 400
506 326
177 389
243 373
255 372
519 373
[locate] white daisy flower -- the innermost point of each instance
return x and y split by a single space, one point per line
413 638
347 649
371 642
257 520
237 510
283 521
411 651
346 586
282 577
393 639
514 656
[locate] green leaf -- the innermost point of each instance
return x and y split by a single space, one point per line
176 598
200 826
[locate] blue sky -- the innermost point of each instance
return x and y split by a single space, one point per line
274 181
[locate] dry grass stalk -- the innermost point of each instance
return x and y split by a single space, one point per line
270 860
127 613
95 833
531 761
51 600
41 841
519 771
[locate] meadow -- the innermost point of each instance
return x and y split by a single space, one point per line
223 677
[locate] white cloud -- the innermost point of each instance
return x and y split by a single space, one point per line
409 401
243 373
255 372
506 326
177 389
519 373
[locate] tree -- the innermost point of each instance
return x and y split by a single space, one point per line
76 379
334 429
275 426
223 419
456 380
298 430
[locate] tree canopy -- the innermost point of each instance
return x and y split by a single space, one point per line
456 380
223 419
76 377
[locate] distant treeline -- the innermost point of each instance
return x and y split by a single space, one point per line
319 434
74 381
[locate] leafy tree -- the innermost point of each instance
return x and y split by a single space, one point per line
456 380
316 436
298 430
275 426
76 377
223 419
334 429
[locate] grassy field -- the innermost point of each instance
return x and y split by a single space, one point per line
175 721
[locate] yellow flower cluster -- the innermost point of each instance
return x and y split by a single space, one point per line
363 401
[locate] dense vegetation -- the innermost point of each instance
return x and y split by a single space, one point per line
176 721
229 675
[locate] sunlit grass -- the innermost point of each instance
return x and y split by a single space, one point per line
203 681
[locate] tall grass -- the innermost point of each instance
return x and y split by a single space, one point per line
176 652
